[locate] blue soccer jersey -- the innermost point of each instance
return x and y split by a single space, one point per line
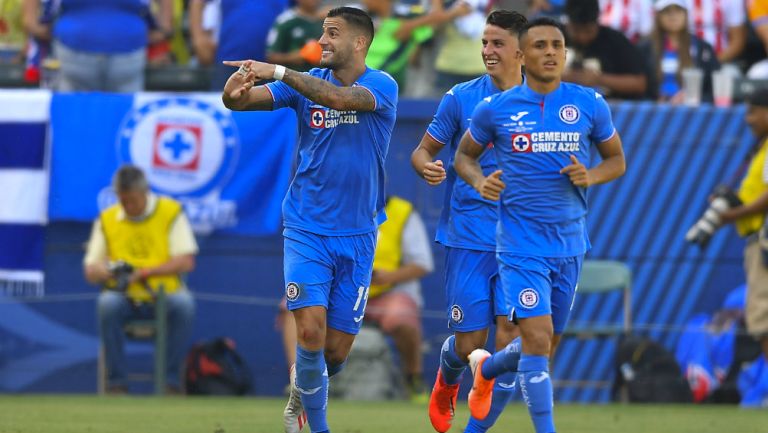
338 189
542 213
467 220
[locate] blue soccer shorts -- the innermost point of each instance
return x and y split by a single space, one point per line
329 271
538 286
473 289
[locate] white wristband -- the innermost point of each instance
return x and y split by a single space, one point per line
279 72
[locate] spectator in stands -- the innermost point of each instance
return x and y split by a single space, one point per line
758 19
599 56
231 29
292 42
397 38
633 18
550 8
168 18
670 49
12 37
403 256
152 235
722 24
38 32
102 45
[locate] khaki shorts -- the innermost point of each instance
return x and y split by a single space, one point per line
757 291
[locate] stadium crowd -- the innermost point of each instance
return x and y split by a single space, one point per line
627 49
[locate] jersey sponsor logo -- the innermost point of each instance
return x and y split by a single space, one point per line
518 116
292 291
529 298
317 117
569 114
457 314
521 142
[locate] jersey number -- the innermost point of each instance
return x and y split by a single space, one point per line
362 298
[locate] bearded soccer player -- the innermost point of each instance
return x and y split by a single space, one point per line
467 227
346 112
541 237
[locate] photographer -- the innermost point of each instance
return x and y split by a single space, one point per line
749 217
136 246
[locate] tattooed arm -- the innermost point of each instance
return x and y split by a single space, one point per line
315 89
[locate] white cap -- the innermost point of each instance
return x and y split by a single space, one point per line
661 4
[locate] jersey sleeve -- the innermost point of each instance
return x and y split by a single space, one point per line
602 128
383 88
481 128
283 95
445 124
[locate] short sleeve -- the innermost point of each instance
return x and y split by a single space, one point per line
445 124
481 128
383 88
181 240
96 250
735 15
602 128
283 95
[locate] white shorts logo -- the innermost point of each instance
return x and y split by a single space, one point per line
569 114
457 315
292 291
529 298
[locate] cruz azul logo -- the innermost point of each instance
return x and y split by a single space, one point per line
186 146
324 118
546 142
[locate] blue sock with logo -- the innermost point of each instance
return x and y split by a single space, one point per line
503 391
312 382
533 375
450 365
503 361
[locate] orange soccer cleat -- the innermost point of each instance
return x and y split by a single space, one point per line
442 403
482 389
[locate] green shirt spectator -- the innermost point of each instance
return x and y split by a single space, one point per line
390 54
293 39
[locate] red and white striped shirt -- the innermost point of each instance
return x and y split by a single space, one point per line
634 18
711 19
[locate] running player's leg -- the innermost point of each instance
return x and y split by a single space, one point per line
308 269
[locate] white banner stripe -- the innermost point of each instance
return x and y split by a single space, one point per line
30 276
25 105
23 196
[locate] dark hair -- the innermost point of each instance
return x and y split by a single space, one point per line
541 22
130 178
759 98
356 18
658 38
511 21
582 11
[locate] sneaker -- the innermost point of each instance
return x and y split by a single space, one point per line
294 417
482 389
442 403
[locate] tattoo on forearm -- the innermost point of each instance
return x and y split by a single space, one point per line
327 94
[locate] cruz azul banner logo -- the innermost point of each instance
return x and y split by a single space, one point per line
188 149
324 118
546 142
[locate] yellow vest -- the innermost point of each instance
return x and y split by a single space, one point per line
389 250
752 187
142 244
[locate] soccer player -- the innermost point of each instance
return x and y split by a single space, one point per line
467 226
542 132
346 112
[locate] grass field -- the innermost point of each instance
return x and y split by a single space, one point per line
90 414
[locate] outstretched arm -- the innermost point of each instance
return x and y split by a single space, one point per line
422 160
469 169
315 89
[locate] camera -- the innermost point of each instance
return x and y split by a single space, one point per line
701 232
122 272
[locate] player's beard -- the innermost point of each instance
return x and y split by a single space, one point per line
336 61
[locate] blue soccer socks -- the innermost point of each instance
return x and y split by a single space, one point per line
536 385
334 369
312 383
503 391
503 361
451 366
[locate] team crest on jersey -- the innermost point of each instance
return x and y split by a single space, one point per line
317 118
292 291
457 314
529 298
521 142
569 114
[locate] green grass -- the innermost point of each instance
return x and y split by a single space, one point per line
85 414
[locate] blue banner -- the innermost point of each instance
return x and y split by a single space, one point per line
229 169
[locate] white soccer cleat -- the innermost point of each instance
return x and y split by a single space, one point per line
294 417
